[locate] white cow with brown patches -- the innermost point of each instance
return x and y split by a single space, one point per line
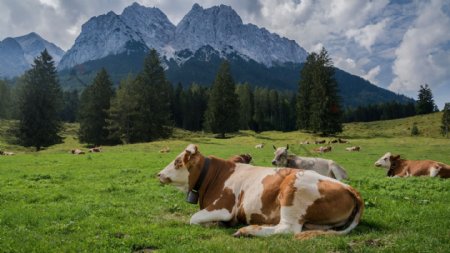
269 201
397 167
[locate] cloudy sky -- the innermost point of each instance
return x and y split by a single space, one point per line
397 44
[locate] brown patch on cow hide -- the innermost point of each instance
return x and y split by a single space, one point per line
271 197
287 190
213 186
226 200
334 207
240 215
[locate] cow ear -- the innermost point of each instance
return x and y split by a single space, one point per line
287 146
274 147
396 157
190 150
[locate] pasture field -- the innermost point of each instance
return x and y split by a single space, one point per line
52 201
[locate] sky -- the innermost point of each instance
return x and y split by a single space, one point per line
398 44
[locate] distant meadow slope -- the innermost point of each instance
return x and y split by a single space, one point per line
52 201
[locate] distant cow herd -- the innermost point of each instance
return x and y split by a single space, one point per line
300 195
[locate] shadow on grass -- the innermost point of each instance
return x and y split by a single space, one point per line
369 226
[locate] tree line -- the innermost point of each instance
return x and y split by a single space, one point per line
146 107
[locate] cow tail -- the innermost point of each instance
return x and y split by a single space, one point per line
351 223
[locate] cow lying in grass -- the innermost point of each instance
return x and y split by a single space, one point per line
397 167
324 167
269 201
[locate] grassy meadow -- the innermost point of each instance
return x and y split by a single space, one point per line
53 201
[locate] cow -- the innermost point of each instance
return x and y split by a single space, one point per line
322 149
320 142
322 166
95 150
304 143
397 167
333 141
268 201
259 145
6 153
77 152
342 140
243 158
354 148
165 150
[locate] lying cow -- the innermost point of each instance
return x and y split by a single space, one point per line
95 150
164 150
398 167
6 153
77 152
243 158
319 142
354 148
270 201
322 149
324 167
259 145
342 140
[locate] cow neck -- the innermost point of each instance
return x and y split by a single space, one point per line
392 169
201 177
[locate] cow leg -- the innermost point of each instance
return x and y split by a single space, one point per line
256 230
289 223
204 216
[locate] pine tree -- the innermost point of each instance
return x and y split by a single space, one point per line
222 115
445 127
123 113
304 92
425 102
141 111
94 105
39 104
153 93
177 106
245 95
326 112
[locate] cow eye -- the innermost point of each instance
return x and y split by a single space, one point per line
385 158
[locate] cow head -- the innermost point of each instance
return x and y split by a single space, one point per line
387 161
281 155
176 172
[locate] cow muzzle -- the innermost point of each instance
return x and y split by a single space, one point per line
274 162
164 179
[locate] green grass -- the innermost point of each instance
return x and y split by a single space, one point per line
52 201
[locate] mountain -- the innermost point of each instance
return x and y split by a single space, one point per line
221 28
12 58
33 44
17 54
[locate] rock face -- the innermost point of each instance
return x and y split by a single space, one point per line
221 28
33 44
17 54
218 27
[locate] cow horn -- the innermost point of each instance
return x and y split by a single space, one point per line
287 146
274 147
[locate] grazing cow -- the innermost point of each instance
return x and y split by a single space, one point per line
320 142
165 150
77 152
269 201
243 158
322 149
398 167
95 150
260 145
324 167
354 148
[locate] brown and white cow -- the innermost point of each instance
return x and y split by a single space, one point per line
398 167
77 151
322 166
269 201
242 158
322 149
95 150
354 148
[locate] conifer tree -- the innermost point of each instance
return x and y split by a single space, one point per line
325 110
304 101
445 127
71 103
222 115
5 100
94 105
425 102
40 101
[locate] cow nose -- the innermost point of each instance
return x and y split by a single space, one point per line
274 162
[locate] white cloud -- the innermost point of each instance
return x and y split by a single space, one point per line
372 75
51 3
424 55
367 35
